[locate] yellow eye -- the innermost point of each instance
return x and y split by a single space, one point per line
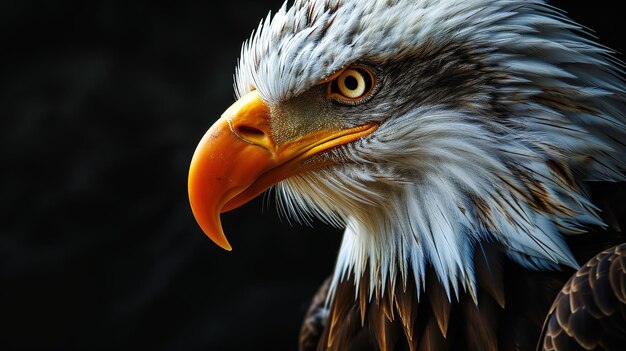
351 86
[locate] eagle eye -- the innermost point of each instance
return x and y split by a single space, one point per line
351 86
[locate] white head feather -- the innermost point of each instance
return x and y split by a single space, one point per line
436 181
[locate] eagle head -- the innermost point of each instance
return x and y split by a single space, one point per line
425 128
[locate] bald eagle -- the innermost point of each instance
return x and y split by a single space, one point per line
459 143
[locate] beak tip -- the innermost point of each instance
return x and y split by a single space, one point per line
218 237
226 246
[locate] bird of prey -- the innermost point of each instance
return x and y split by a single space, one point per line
473 151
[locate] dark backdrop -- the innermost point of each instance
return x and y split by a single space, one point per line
101 106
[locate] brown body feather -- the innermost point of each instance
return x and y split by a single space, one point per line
590 311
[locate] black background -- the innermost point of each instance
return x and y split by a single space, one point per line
101 106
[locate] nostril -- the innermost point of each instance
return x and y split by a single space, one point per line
246 131
252 135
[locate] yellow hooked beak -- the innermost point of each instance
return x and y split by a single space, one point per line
237 160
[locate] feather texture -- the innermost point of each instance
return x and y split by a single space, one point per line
492 143
494 116
590 311
431 323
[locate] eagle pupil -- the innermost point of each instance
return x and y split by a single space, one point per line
351 82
